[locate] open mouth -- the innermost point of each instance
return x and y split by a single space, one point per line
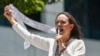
59 30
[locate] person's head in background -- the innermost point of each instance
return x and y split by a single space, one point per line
68 25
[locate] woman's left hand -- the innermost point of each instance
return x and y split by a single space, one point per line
8 15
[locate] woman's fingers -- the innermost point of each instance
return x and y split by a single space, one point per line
6 9
7 13
58 38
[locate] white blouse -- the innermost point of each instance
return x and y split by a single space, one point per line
75 47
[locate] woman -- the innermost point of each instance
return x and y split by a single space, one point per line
67 42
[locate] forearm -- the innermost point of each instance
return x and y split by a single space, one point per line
12 21
20 30
35 40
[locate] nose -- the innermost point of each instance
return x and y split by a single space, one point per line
59 25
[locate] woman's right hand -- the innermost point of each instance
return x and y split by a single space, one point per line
8 15
60 41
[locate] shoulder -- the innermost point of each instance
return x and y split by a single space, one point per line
79 42
76 47
74 43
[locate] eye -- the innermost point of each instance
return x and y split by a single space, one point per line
63 22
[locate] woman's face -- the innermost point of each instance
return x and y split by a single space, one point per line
62 22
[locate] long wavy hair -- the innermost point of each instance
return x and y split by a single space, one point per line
76 32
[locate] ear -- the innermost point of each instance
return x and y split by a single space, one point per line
71 26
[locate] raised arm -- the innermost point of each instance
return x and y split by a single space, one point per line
35 40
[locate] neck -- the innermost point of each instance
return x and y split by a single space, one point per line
66 37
